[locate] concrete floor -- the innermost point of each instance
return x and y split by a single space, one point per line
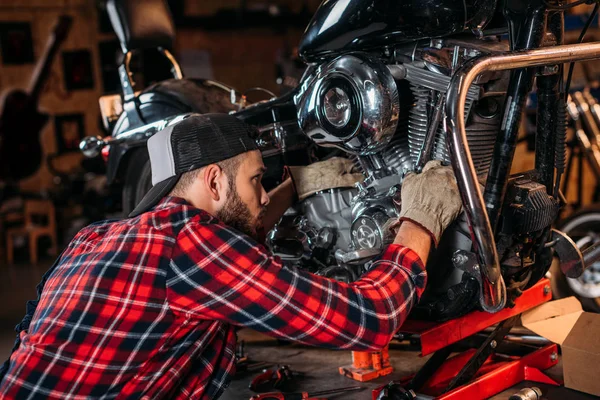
320 367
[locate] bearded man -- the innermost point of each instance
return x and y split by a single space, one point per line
147 307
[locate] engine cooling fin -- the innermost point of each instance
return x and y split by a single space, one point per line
481 131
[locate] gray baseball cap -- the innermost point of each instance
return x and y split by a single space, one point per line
195 142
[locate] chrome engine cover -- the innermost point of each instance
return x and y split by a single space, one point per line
340 232
373 99
394 105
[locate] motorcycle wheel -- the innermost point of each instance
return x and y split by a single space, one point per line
584 228
138 179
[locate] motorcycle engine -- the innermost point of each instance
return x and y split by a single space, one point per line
379 110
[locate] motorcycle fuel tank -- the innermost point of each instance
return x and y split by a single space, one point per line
358 24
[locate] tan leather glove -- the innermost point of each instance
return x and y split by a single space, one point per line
431 199
322 175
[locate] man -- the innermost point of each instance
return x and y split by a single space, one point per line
146 307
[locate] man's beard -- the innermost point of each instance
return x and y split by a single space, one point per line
237 215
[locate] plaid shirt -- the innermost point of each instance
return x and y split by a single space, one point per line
146 308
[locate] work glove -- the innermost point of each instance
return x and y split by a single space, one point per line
332 173
430 199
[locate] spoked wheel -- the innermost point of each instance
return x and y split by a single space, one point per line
584 228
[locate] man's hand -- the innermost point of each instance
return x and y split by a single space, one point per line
322 175
307 180
430 199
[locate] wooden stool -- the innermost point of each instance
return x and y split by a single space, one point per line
11 214
33 230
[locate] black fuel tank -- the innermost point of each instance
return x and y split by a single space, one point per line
358 24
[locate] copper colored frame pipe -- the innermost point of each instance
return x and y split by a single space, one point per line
493 290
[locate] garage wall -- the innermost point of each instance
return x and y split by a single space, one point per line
243 58
55 99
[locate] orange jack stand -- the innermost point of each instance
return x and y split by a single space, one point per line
367 366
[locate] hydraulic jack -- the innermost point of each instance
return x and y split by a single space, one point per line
367 366
483 370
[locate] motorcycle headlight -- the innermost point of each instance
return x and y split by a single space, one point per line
337 107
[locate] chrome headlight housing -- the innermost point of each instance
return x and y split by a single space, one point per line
350 103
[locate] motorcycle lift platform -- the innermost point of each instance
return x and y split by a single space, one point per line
484 371
319 367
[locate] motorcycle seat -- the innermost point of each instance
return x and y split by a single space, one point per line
141 24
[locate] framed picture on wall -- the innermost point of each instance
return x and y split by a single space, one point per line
78 70
16 43
69 130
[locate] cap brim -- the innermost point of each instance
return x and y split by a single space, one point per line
158 191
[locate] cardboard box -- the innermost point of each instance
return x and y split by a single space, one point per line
578 333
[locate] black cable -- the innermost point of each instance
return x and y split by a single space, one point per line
580 40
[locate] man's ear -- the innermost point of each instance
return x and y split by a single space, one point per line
214 181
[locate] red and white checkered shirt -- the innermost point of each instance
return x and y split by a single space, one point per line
146 308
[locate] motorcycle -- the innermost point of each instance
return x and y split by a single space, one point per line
392 85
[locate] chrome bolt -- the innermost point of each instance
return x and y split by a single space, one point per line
550 70
493 344
546 290
393 190
459 259
553 356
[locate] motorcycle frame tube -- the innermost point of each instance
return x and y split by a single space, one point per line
556 26
175 68
425 153
550 138
492 285
526 24
520 85
547 121
549 108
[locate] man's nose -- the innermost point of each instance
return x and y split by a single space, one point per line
264 199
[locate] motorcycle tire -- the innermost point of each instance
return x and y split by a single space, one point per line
576 226
138 179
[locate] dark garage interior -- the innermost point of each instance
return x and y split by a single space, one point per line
346 104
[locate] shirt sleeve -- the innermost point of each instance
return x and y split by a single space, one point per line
218 273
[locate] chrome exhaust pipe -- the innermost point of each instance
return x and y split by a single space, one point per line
493 290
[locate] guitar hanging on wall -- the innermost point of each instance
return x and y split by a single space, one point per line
21 122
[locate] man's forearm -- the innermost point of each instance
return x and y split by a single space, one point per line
415 238
282 198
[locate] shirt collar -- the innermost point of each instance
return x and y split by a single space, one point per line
171 201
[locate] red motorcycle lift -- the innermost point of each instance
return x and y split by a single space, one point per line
482 372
